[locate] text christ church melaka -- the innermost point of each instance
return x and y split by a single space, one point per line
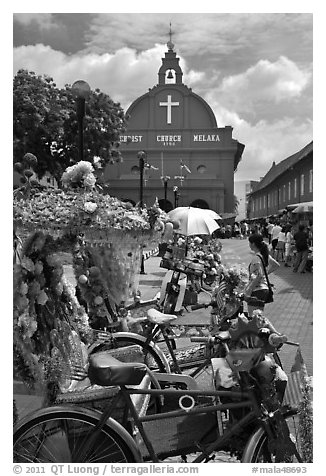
177 129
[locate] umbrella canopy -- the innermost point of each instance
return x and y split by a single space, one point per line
304 208
211 213
192 221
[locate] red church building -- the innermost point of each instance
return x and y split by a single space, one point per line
192 159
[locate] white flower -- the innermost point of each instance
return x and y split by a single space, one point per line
90 207
89 180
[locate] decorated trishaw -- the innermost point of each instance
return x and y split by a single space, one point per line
101 239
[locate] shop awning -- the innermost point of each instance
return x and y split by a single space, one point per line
302 204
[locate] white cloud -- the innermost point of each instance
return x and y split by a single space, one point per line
275 82
124 75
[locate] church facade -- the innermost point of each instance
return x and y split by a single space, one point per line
192 160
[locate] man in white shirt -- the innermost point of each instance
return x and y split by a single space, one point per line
270 226
275 232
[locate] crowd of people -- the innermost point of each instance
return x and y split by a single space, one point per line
289 243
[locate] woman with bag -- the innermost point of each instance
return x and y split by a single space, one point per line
258 291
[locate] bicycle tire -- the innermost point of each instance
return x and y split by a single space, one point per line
257 450
57 435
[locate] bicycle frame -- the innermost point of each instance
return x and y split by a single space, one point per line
248 401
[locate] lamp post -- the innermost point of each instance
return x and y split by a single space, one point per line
142 161
81 91
165 179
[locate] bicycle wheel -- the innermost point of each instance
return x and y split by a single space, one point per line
258 450
150 356
58 435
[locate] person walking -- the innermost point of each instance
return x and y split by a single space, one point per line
288 245
262 264
280 247
301 240
275 233
270 226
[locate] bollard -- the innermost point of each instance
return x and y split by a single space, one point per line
142 269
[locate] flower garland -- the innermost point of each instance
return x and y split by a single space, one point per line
49 325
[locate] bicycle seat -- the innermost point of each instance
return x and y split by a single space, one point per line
105 370
157 317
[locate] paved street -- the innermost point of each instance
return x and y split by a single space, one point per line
291 311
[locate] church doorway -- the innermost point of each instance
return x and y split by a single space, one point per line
199 203
165 205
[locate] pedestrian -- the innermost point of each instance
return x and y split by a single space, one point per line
301 239
270 226
262 264
288 245
275 232
280 247
228 231
236 230
244 228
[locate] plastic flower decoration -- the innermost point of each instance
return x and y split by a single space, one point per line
90 207
79 175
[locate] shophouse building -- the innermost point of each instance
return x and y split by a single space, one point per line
194 160
285 186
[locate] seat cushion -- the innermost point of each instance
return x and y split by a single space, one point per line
105 370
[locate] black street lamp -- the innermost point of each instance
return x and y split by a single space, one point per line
81 91
165 179
142 162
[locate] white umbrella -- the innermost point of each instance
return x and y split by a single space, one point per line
212 214
192 221
304 208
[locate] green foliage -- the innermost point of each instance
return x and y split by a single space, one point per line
45 124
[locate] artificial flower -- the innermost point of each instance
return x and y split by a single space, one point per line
90 207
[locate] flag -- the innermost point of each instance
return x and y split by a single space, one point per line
294 389
183 166
220 292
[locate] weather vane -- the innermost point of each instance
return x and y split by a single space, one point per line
170 44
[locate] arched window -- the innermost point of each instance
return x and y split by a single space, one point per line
135 170
170 77
165 205
201 169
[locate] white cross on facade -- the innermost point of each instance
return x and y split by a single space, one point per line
169 105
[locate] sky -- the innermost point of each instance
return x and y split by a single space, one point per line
253 69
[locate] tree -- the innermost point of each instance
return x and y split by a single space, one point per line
45 124
236 203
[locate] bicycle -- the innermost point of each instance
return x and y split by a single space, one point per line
194 362
257 432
